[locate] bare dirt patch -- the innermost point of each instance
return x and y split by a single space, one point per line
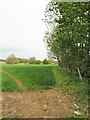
37 104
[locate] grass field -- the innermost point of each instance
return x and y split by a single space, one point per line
33 77
42 77
39 77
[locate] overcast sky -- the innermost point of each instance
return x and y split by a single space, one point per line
22 29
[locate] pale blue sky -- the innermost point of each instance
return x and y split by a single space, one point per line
22 29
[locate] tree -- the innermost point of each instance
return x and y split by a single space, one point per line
68 36
25 60
32 60
45 61
12 59
20 60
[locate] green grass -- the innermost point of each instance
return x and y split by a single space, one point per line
71 84
8 84
36 77
0 81
39 77
74 87
0 77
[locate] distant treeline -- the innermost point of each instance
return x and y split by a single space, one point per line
2 60
12 59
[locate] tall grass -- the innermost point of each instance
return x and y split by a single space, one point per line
71 84
8 84
34 77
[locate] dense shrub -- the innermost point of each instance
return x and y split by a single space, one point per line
35 62
31 62
45 61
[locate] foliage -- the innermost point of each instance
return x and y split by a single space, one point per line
74 87
32 59
68 35
34 62
12 59
37 62
45 61
24 60
71 84
20 60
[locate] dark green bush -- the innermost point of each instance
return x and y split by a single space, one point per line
45 61
35 62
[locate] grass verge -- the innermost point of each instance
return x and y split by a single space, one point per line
74 87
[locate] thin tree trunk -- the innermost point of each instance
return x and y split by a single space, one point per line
80 76
58 61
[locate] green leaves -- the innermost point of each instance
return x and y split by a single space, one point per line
68 36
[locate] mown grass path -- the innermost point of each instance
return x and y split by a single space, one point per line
17 81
